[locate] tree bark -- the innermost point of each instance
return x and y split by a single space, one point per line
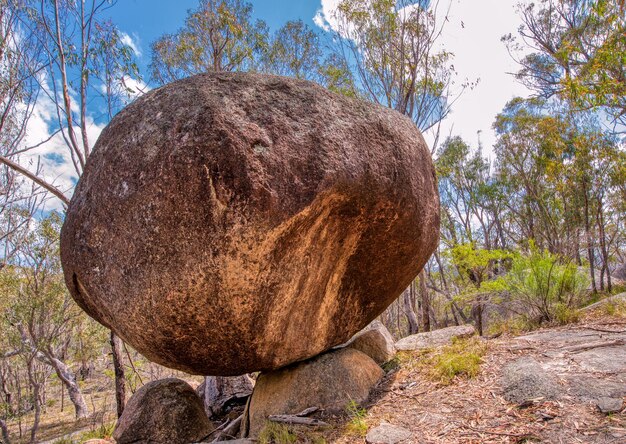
73 389
219 391
36 387
410 314
5 432
425 296
588 238
120 379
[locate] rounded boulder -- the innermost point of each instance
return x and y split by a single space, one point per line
235 222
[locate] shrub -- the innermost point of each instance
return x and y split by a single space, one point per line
357 425
275 433
462 358
547 289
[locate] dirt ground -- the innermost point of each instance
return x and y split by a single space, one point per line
475 411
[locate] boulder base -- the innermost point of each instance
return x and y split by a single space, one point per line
167 411
221 216
329 381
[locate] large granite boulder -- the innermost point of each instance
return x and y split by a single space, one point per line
232 222
167 411
329 381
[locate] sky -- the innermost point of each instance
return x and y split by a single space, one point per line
473 34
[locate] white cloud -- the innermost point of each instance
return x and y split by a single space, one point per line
134 87
472 33
53 156
131 43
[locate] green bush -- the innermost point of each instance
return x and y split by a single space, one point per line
547 288
462 358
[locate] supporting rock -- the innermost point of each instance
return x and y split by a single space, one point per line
376 342
329 381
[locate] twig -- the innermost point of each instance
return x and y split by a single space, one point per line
592 345
294 419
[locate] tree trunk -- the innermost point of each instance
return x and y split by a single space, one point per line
425 296
5 432
603 249
36 386
408 310
120 379
590 252
73 389
220 391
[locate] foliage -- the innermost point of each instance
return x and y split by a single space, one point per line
276 433
104 431
294 51
546 287
357 425
217 36
462 358
578 52
477 264
392 53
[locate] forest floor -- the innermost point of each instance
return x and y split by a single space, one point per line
586 359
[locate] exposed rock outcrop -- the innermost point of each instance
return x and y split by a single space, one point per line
329 381
221 216
435 338
167 411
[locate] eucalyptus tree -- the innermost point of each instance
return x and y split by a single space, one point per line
220 35
393 51
73 55
578 52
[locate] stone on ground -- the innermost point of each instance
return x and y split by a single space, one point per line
165 411
609 405
376 342
221 216
328 381
525 379
436 338
387 434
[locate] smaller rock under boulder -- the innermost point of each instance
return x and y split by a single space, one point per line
609 405
376 342
328 381
387 433
525 379
165 411
436 338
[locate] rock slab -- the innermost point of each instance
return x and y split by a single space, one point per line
329 381
436 338
164 411
525 379
387 434
222 215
